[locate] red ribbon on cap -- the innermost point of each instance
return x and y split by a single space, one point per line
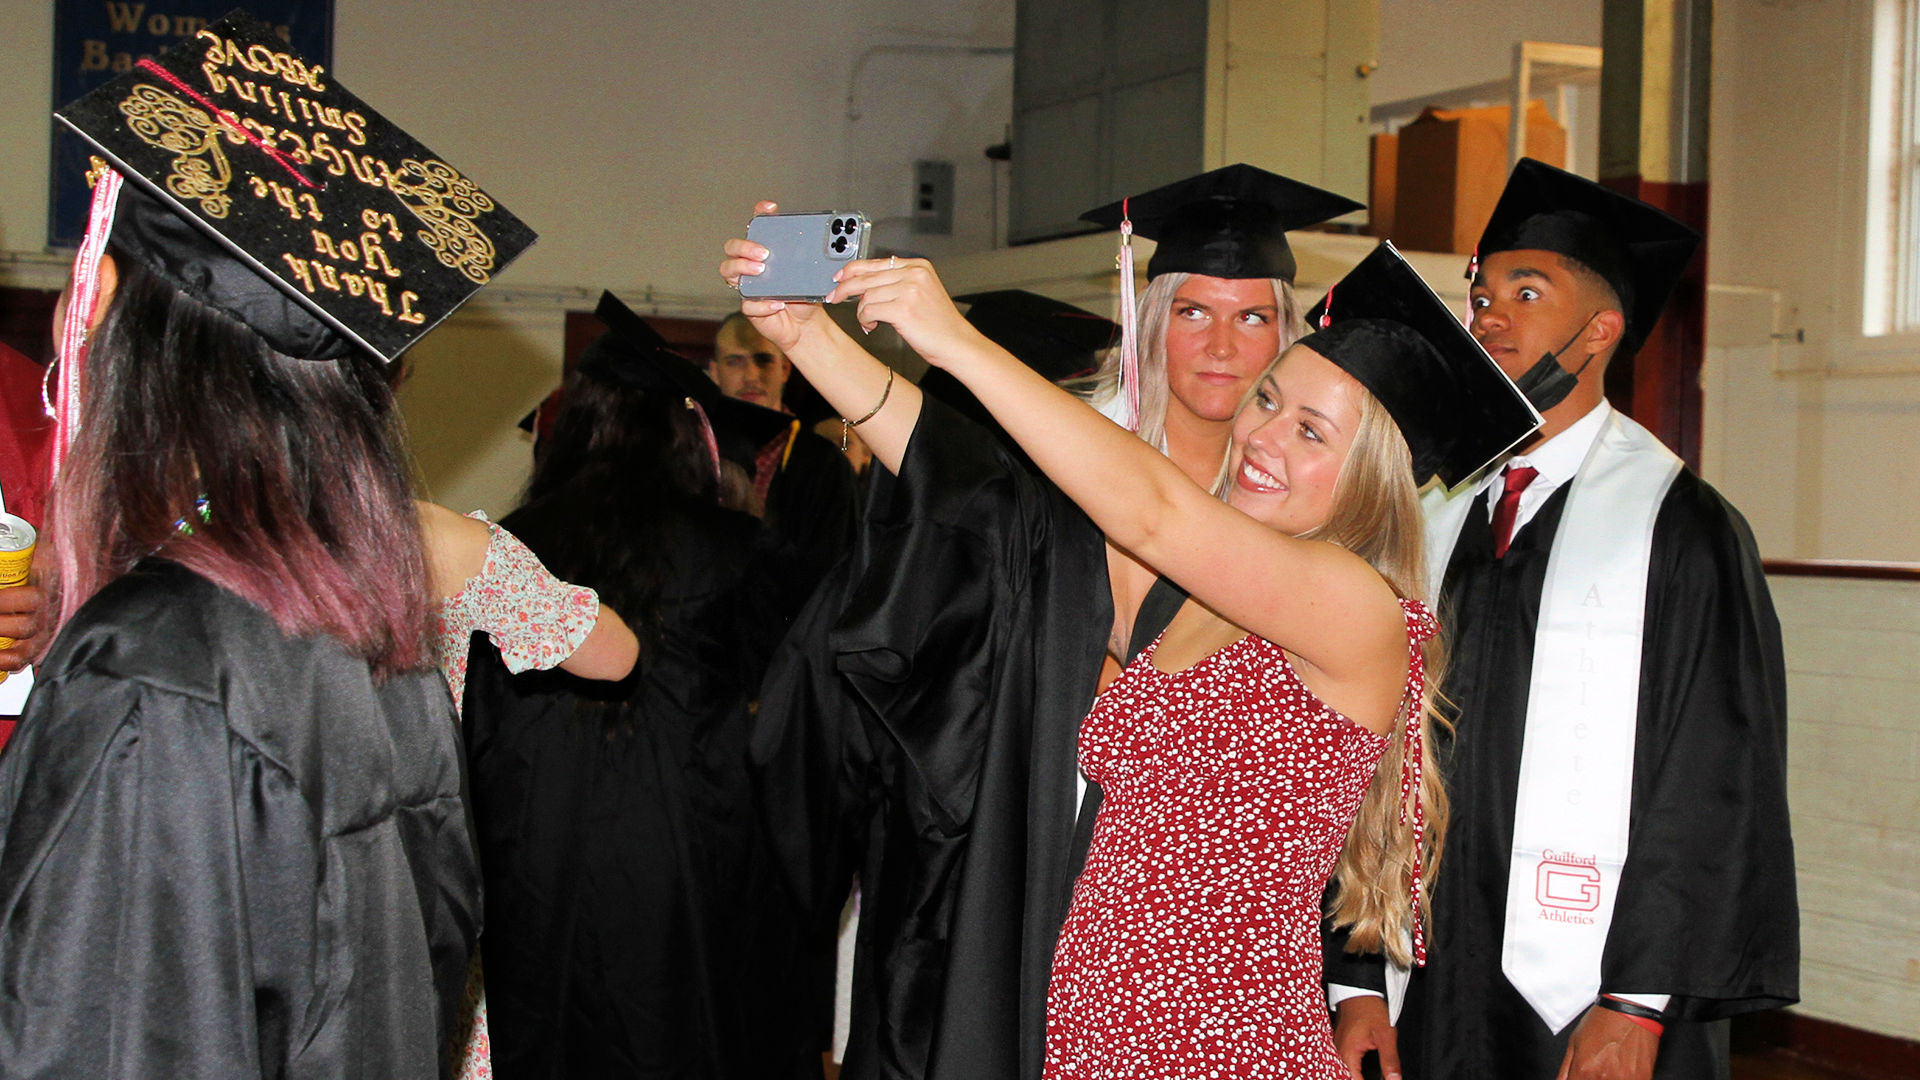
72 354
232 122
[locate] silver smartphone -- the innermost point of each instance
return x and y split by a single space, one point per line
804 251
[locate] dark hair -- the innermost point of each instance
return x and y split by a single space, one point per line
1589 278
609 422
301 462
626 463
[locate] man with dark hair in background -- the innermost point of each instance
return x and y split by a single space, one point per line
806 485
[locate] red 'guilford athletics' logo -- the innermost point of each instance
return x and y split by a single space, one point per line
1568 881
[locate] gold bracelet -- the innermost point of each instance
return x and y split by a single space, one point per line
847 426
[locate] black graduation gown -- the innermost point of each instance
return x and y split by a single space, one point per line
813 503
919 728
228 852
636 926
1707 908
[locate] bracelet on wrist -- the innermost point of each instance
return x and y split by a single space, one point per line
847 426
1651 1019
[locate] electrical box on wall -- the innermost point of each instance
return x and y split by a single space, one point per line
933 198
1113 97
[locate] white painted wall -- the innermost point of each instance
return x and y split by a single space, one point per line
1825 464
1854 781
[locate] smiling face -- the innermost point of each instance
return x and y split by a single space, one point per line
1291 440
1221 333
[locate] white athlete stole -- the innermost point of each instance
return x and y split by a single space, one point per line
1576 767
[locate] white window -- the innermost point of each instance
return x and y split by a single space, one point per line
1891 293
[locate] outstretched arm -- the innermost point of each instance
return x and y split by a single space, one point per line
1319 601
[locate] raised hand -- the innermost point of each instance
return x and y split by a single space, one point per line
782 322
907 295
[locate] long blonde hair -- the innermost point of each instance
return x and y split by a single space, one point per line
1156 311
1376 515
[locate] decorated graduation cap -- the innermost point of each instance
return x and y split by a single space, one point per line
633 352
1383 325
1053 338
260 186
1231 222
1638 250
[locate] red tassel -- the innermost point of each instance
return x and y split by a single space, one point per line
72 354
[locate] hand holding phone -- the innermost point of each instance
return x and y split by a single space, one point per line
804 251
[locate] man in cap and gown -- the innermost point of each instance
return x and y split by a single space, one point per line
919 728
1618 878
809 489
226 850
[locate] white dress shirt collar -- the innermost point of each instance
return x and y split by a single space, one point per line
1557 459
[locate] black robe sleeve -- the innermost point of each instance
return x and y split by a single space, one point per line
968 644
1707 909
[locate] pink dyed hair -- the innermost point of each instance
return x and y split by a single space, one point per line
302 464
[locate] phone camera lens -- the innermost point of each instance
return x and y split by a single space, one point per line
839 244
836 226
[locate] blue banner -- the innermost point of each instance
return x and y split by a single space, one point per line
96 40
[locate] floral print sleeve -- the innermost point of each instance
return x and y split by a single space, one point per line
533 618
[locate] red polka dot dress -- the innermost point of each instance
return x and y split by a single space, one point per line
1192 947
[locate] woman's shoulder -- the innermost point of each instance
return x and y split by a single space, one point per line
456 546
167 626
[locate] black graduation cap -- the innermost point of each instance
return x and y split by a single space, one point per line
1383 325
634 353
260 186
1053 338
1228 223
1638 250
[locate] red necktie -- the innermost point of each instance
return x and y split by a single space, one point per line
1509 506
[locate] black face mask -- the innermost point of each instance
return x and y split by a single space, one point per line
1546 383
